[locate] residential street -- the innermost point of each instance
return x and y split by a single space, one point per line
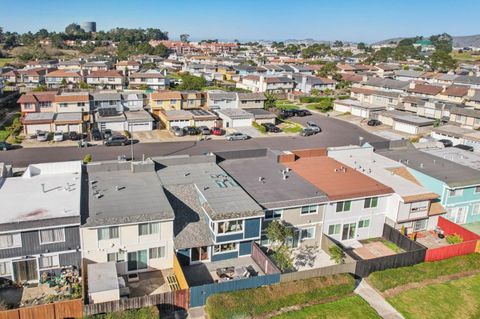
334 133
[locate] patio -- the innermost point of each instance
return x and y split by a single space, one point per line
150 283
310 257
206 273
373 249
430 239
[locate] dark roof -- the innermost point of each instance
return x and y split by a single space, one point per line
451 173
247 167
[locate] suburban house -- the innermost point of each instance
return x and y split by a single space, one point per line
385 84
108 111
407 75
38 111
457 185
412 206
193 100
424 90
73 110
406 122
109 79
153 79
215 219
235 117
251 100
468 118
357 108
357 203
270 84
306 84
217 99
128 67
128 218
454 93
93 66
282 193
165 100
62 78
40 235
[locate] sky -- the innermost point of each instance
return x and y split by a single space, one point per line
246 20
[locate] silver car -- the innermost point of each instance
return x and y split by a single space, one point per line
177 131
42 136
314 127
236 136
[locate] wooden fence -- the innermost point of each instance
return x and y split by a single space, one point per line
414 254
168 301
468 246
178 271
56 310
262 260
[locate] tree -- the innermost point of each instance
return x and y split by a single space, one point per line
329 68
191 82
283 258
42 34
160 50
73 28
337 44
83 85
278 233
361 46
442 61
184 37
270 101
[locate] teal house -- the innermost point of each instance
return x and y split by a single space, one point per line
457 185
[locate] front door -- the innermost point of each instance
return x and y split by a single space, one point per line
137 260
25 270
348 231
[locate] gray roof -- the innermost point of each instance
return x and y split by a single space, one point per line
452 130
70 116
261 114
138 116
466 79
465 112
116 195
387 83
409 118
451 173
235 113
466 158
247 167
44 116
104 96
221 95
188 228
251 96
409 73
224 198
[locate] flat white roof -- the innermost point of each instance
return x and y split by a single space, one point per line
44 191
102 277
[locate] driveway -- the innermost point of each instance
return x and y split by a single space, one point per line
250 131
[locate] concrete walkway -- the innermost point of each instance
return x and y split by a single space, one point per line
376 301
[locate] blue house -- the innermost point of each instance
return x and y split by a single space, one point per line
457 185
215 219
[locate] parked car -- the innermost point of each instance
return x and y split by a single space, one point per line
464 147
107 133
236 136
217 131
287 113
307 132
177 131
204 130
117 140
314 127
446 143
58 136
74 136
374 123
42 136
96 134
301 113
190 130
4 146
269 127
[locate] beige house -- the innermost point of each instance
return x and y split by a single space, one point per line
109 79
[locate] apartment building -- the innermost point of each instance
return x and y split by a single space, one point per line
40 235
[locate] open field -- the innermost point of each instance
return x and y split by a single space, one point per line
465 56
4 61
350 307
454 299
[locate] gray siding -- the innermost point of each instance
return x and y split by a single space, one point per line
70 259
31 244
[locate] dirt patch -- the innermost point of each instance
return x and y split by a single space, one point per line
439 280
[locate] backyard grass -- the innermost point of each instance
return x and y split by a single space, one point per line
265 300
285 106
12 126
4 61
387 243
454 299
290 127
350 307
391 278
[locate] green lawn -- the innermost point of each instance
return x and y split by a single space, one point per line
391 278
264 300
465 56
454 299
4 61
285 106
350 307
290 127
387 243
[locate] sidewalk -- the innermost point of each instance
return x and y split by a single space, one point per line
376 301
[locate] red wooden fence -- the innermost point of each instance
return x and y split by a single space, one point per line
468 245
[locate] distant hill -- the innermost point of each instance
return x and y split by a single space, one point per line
458 41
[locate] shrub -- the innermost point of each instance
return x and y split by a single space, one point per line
127 134
337 254
87 159
259 127
454 239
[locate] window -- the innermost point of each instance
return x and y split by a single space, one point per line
117 257
477 189
231 226
27 106
224 248
273 214
81 104
370 202
10 241
455 192
419 225
157 252
63 105
148 229
48 236
364 223
5 269
107 233
49 261
334 229
476 209
111 79
344 206
312 209
307 233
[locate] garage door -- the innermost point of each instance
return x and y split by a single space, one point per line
342 108
356 111
75 128
114 126
140 127
241 122
205 123
33 128
61 128
404 127
180 124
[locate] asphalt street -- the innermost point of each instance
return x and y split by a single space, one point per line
334 133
